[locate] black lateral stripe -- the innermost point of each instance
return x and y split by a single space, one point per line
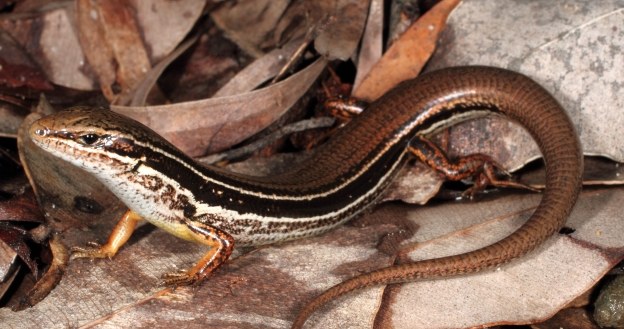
213 194
234 200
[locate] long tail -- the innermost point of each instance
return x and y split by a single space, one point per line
524 101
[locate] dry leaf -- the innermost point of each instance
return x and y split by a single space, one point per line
568 47
17 69
111 39
213 124
266 287
165 23
48 32
259 71
407 55
9 267
142 90
371 47
247 23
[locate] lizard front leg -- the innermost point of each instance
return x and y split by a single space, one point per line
118 237
221 246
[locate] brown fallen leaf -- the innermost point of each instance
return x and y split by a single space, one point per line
49 280
21 208
49 37
111 40
407 55
10 266
213 124
16 239
164 24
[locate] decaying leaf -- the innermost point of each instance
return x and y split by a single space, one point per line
259 71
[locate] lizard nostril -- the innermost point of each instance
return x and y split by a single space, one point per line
41 132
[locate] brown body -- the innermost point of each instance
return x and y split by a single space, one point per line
345 176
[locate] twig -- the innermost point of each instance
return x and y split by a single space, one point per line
283 131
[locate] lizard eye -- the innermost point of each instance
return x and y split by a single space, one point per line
88 139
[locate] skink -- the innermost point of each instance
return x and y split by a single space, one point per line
346 175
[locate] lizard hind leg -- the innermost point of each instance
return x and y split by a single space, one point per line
221 246
482 168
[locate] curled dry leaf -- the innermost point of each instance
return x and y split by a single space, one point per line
213 124
142 90
16 239
49 280
111 40
9 267
16 216
407 55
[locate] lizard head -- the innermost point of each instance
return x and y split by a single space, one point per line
96 140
